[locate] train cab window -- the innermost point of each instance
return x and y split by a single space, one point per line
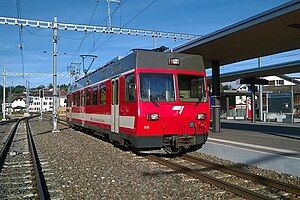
88 97
94 95
157 87
102 95
130 87
191 88
82 98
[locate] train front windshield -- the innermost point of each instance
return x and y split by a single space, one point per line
160 87
157 87
191 88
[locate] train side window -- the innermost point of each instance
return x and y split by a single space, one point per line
73 99
82 98
102 95
78 99
130 88
94 95
88 97
117 92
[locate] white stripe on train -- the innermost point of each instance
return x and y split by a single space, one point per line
124 121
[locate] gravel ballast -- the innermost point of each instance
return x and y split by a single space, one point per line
86 167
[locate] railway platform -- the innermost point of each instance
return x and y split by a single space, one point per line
270 146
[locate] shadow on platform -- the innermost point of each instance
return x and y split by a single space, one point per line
282 131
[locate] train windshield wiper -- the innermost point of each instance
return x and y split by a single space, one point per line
154 100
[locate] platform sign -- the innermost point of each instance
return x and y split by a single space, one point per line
280 102
256 81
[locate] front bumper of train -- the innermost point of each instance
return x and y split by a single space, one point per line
156 142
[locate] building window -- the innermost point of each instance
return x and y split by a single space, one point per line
102 95
94 95
45 103
130 87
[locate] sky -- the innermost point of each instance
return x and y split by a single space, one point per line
198 17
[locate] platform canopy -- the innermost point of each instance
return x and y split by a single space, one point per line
281 68
274 31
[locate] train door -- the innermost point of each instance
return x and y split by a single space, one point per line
115 105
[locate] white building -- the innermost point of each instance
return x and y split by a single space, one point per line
37 103
46 103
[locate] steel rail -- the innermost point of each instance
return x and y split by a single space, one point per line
206 178
240 173
8 122
41 185
5 148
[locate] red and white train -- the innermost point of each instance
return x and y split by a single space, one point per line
149 100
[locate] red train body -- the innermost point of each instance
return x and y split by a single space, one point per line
147 99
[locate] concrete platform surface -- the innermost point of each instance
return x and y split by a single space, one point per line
267 145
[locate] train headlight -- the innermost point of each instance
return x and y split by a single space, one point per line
152 117
201 116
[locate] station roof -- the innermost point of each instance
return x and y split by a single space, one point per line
281 68
274 31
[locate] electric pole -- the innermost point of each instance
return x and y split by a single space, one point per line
109 11
27 98
3 105
260 96
55 40
41 94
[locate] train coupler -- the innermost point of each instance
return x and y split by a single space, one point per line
184 141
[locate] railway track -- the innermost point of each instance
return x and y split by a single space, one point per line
230 179
21 175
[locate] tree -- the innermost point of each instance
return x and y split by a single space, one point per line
19 89
63 87
50 86
40 87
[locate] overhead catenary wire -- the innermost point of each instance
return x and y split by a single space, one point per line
87 35
36 34
143 10
21 42
104 20
83 38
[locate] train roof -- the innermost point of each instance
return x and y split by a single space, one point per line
140 59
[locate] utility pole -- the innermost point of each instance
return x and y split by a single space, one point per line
27 98
54 68
260 96
3 105
109 11
41 93
10 101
